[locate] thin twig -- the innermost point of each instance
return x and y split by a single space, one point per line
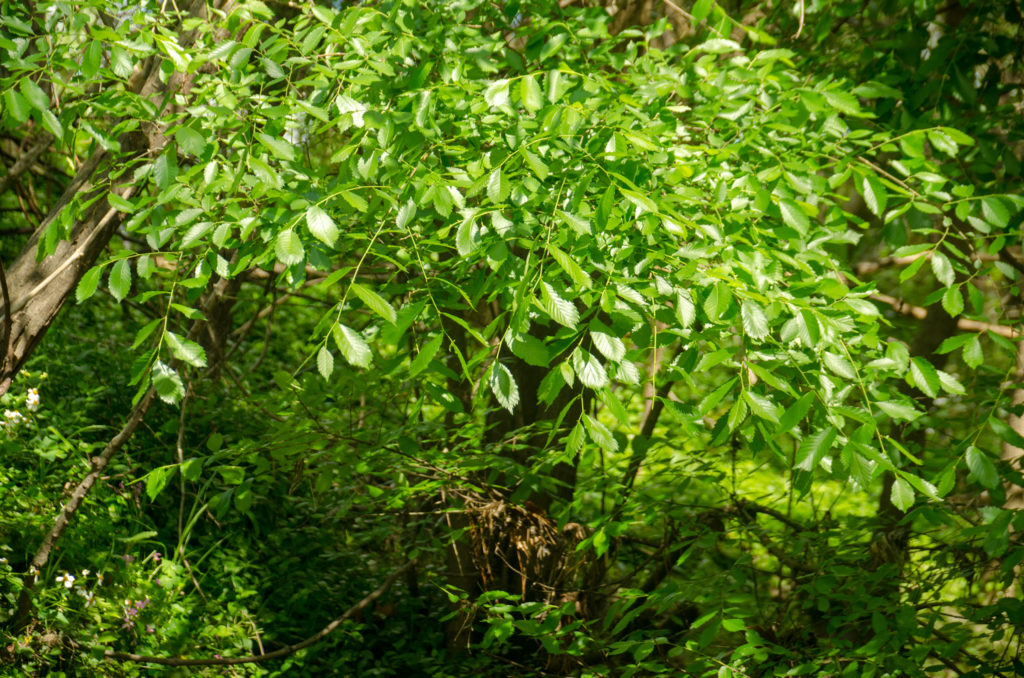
180 445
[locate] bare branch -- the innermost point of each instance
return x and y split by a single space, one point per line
965 324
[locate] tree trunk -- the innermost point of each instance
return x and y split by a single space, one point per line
36 290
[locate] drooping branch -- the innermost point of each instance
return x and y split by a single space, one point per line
276 654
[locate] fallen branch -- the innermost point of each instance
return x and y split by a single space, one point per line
276 654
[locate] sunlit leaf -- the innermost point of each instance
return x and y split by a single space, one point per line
503 386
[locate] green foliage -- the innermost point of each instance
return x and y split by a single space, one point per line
606 342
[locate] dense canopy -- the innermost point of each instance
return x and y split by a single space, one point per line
514 338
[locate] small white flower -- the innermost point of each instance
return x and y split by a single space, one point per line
13 417
68 579
85 573
32 401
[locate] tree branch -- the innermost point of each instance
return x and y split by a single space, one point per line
965 324
276 654
24 611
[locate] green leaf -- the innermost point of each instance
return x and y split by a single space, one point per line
950 344
600 434
355 200
406 213
794 216
17 105
529 90
762 406
942 268
643 203
953 301
808 329
901 411
167 383
569 265
902 495
496 94
982 468
711 400
288 248
321 226
191 469
686 312
574 441
561 310
1006 432
814 447
718 46
165 170
190 141
839 365
35 95
156 480
755 322
796 413
325 362
924 376
185 350
145 331
243 498
861 469
375 302
943 142
120 280
503 386
352 345
92 58
53 126
995 211
529 348
610 347
277 146
119 203
701 9
497 187
88 284
426 354
537 165
950 383
589 369
973 354
575 222
466 241
843 102
875 195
